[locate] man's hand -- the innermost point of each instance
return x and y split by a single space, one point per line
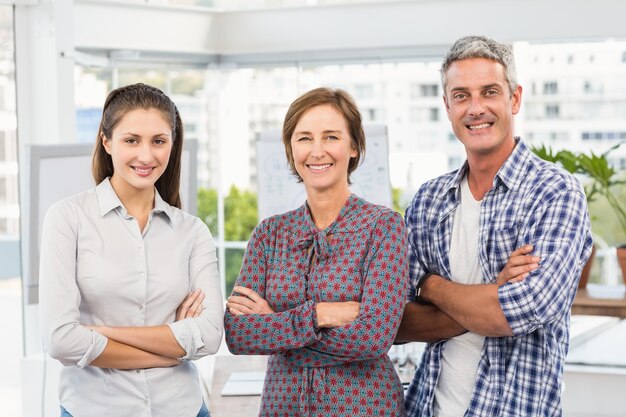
519 266
191 305
335 314
247 302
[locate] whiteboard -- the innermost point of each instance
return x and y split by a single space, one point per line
53 172
279 192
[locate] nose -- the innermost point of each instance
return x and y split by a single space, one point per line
145 155
317 148
476 106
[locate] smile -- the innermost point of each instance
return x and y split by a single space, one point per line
480 126
143 171
320 168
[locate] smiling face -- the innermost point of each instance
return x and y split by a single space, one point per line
140 147
481 107
322 147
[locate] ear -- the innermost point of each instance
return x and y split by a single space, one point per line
106 143
353 150
516 100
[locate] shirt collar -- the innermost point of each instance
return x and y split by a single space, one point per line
108 201
510 174
514 170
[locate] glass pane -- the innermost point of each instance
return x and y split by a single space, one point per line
232 264
10 283
91 86
155 78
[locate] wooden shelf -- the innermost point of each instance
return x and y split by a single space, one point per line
583 304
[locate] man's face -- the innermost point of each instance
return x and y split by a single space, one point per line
480 106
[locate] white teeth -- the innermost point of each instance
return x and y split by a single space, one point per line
143 170
480 126
319 167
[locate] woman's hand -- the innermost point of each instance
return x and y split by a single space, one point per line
519 266
191 305
335 314
247 302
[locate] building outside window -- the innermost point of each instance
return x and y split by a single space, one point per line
429 90
550 88
552 111
227 108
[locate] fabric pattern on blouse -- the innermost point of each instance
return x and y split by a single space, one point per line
97 267
342 371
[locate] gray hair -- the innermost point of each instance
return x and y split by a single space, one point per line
481 47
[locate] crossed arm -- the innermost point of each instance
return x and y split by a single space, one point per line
323 333
149 346
79 344
452 308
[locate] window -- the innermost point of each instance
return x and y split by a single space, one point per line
424 90
363 91
3 190
593 87
552 111
433 114
3 147
550 88
371 115
429 90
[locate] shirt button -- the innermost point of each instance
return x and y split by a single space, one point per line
142 275
139 246
141 307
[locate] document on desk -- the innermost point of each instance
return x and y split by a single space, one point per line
243 383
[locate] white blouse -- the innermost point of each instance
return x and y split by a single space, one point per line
98 268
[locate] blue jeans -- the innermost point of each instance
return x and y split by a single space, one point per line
204 411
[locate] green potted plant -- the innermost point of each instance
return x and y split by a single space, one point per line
603 180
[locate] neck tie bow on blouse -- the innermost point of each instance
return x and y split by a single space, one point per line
317 238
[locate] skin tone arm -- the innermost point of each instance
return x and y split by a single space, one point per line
457 308
329 314
426 323
146 347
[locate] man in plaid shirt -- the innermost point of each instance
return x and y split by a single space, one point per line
496 250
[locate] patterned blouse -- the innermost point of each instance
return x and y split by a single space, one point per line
342 371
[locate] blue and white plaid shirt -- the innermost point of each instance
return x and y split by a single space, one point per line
531 202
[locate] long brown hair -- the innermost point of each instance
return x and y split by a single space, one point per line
340 100
117 104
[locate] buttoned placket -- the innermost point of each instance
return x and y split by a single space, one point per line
138 235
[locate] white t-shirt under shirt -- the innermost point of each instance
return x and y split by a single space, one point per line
461 354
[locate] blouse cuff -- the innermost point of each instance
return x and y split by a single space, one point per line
188 336
95 349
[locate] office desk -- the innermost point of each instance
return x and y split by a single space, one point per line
245 406
583 304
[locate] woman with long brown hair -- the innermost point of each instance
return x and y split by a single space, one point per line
129 288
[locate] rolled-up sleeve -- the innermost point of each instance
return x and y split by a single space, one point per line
65 338
561 235
201 336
